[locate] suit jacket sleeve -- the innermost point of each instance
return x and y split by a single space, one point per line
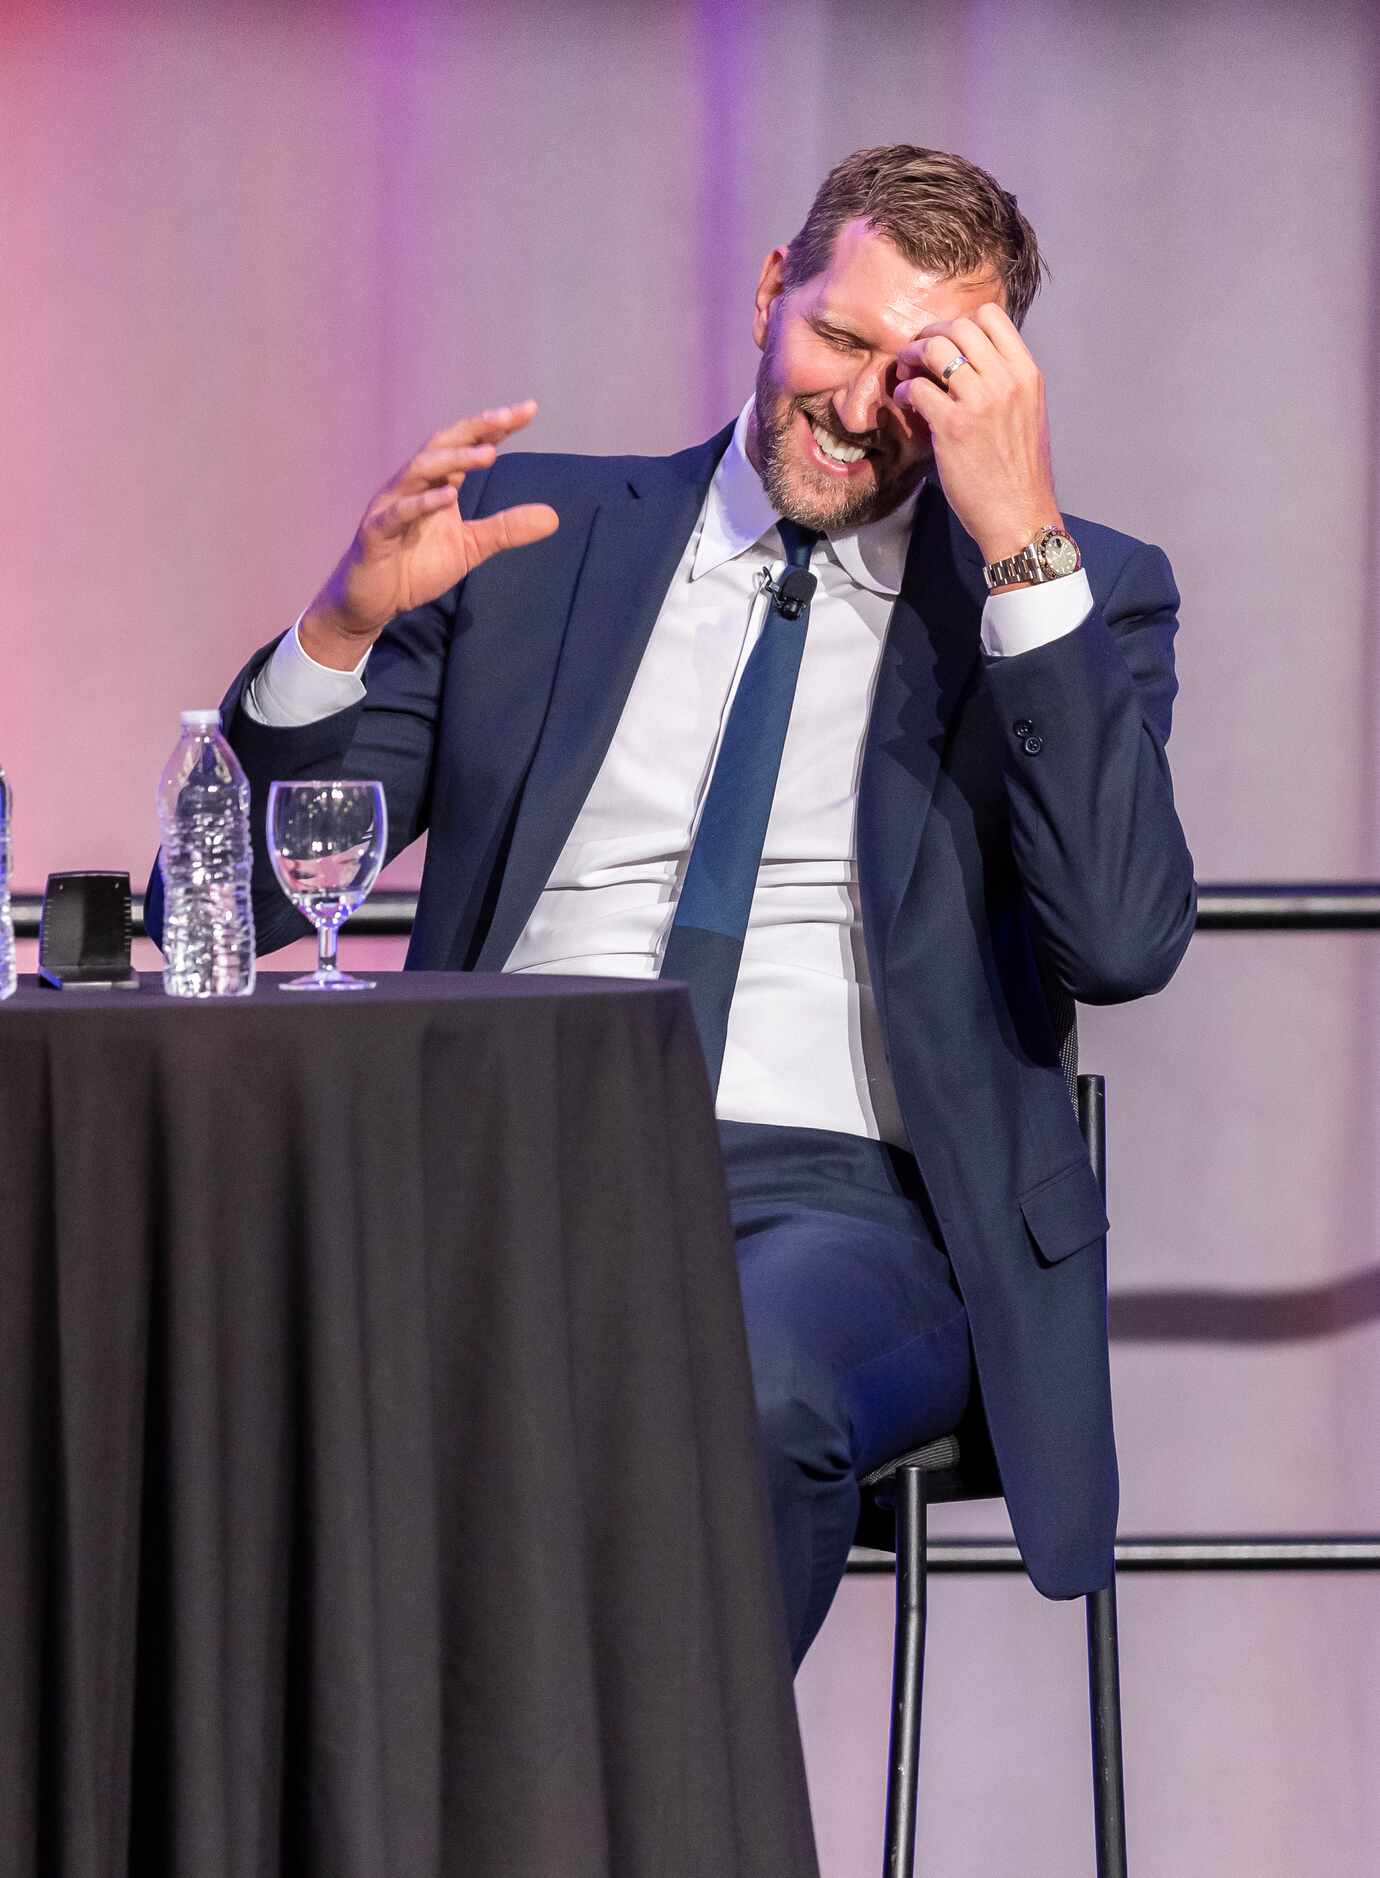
1097 839
389 737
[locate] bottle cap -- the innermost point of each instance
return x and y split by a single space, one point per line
201 720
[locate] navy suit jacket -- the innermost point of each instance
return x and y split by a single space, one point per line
1015 821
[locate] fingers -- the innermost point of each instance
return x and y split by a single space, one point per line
939 345
448 464
1004 334
925 396
925 400
930 351
447 456
511 528
489 427
492 534
396 517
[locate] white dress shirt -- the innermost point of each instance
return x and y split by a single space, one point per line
804 1046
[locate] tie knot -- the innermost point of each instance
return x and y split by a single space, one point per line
797 542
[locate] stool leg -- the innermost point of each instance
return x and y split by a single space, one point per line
907 1674
1104 1698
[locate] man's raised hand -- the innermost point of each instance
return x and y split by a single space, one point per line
413 544
988 426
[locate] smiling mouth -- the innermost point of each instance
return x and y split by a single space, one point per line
839 458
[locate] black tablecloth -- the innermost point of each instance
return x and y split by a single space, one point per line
380 1490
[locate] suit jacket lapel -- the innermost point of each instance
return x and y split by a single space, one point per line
635 543
929 661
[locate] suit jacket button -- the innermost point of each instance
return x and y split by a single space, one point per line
1034 745
1022 727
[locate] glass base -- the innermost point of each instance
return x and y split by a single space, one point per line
328 979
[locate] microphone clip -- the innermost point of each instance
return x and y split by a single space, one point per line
792 593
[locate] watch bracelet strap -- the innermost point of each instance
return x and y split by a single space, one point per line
1027 566
1015 569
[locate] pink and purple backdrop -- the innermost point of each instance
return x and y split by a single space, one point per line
252 254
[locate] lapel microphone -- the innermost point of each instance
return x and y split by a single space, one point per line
792 593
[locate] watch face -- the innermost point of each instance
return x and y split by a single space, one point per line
1059 554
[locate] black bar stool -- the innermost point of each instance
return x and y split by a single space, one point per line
895 1499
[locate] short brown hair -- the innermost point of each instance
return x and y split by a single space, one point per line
942 212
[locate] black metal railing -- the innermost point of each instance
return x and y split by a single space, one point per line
1223 906
1293 1552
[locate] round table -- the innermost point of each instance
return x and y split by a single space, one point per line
380 1482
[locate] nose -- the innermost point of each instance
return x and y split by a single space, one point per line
859 403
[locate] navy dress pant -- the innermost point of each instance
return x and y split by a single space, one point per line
856 1331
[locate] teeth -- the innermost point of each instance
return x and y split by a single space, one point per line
837 452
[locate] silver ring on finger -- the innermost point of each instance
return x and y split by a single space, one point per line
953 365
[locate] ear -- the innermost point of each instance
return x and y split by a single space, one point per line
769 289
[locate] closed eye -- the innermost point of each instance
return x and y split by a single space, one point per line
841 341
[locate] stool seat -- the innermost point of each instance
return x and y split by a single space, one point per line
953 1471
936 1457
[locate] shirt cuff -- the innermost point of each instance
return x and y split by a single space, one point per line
1028 617
292 689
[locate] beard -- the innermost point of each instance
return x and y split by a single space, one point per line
808 495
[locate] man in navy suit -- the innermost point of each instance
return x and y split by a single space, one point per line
973 818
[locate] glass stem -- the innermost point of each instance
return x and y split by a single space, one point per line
326 937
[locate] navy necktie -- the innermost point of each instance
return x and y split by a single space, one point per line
705 944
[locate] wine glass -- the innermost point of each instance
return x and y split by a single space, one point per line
327 841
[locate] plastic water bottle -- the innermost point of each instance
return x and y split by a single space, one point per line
206 861
8 974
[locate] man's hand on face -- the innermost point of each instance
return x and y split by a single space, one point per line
412 544
988 426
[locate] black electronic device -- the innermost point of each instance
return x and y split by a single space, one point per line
792 593
84 936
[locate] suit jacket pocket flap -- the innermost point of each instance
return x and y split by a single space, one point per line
1065 1212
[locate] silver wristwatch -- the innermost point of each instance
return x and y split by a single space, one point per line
1051 554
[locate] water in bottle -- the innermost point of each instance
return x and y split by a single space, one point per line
8 978
206 861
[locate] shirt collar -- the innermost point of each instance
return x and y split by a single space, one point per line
738 515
